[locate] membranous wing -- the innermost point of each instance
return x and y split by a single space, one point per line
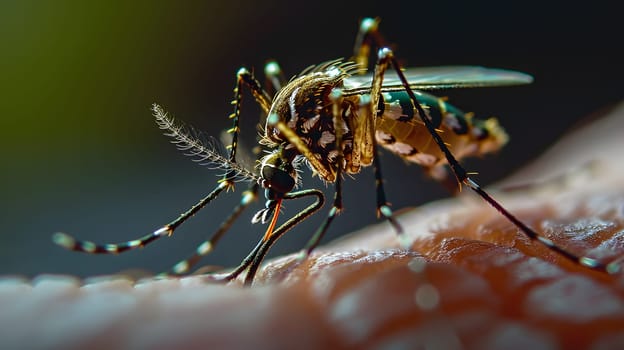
444 77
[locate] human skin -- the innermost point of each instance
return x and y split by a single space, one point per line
469 278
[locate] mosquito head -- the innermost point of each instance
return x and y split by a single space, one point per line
278 175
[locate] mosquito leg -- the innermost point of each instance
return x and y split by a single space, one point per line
335 210
293 138
244 77
336 98
387 56
68 242
207 246
368 35
254 259
241 267
382 205
266 244
383 209
274 80
320 232
274 77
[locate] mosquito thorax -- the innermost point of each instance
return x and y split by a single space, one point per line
304 102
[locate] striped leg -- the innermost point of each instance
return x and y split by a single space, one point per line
383 209
243 76
336 98
274 77
206 247
68 242
386 57
368 35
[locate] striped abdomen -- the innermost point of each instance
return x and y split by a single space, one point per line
401 130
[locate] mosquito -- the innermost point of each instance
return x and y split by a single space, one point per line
333 117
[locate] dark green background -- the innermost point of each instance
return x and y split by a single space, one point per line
80 151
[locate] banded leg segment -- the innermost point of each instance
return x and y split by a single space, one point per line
207 246
386 56
337 111
383 208
244 77
368 35
274 77
261 96
69 242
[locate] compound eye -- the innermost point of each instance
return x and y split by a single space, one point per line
278 180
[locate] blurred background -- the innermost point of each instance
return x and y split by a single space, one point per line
80 151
